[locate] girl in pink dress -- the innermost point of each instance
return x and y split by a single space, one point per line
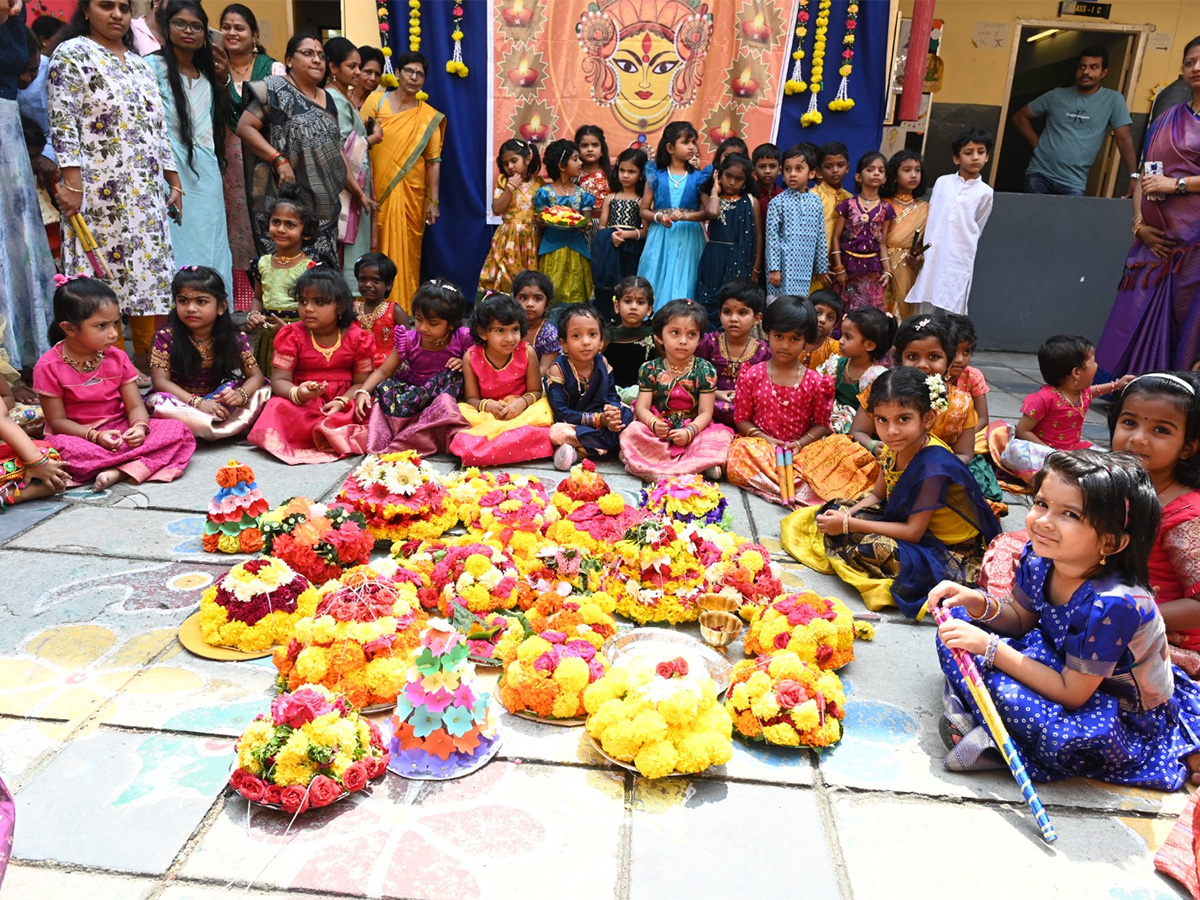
417 387
95 418
508 419
317 373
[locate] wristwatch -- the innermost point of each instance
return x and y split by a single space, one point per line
1181 186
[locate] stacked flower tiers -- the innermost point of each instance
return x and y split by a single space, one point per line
400 497
255 606
316 540
232 522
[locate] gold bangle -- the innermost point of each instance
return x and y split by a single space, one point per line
845 522
294 394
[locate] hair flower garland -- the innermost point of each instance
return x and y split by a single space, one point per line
311 749
795 84
780 699
842 101
817 75
937 394
455 65
819 630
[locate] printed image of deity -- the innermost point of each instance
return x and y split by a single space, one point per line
645 58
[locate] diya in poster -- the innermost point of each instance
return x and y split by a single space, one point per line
632 66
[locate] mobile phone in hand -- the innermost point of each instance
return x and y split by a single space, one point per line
175 215
216 38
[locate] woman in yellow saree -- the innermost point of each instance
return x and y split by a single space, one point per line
406 166
904 190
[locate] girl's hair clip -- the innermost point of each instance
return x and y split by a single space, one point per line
923 323
60 279
189 268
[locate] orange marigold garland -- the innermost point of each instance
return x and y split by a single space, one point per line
842 101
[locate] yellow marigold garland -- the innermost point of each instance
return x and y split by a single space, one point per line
795 84
456 66
817 75
414 34
387 80
842 101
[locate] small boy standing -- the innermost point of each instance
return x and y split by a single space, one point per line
828 306
796 243
767 163
958 211
833 162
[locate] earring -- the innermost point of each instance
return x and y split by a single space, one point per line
1104 559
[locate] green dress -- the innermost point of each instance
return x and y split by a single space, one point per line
357 162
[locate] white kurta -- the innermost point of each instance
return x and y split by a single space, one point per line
958 209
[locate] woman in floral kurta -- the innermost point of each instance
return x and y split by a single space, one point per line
106 118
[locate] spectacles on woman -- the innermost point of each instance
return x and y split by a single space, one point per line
187 27
310 54
410 72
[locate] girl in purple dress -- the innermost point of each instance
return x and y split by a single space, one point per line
735 348
417 388
862 267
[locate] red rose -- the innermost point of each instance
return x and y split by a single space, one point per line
298 709
355 777
249 786
680 665
294 799
272 794
665 669
824 655
376 737
790 694
831 708
782 640
323 791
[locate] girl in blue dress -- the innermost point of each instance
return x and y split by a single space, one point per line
671 204
1075 657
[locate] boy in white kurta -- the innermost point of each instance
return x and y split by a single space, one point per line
958 209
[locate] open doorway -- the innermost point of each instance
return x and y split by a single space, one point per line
1044 58
321 17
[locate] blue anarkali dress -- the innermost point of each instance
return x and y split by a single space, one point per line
672 255
576 403
1139 726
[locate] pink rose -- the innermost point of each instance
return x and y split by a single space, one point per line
323 791
381 646
824 655
298 709
790 694
294 799
547 662
801 615
782 640
355 777
595 669
553 637
581 649
665 670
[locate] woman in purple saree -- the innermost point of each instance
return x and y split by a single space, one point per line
1155 321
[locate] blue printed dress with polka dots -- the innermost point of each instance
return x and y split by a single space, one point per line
1139 726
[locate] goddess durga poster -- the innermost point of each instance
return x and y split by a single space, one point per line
632 66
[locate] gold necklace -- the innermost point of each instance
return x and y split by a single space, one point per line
1078 405
903 198
326 352
735 365
583 382
280 260
365 319
438 344
679 371
82 365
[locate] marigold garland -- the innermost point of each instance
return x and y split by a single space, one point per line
387 80
842 101
817 76
795 84
456 66
782 700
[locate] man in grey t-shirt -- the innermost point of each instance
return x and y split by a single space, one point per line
1077 121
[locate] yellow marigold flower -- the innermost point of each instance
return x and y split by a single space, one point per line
650 726
656 759
864 631
740 697
765 706
781 734
622 741
680 707
612 504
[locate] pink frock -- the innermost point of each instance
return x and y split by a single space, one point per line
299 433
93 400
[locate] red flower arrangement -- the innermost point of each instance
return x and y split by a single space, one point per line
315 540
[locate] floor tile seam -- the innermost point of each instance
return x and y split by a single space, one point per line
54 515
822 796
193 840
256 891
1052 809
67 868
76 550
623 886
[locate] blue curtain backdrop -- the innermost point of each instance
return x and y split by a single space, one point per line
456 246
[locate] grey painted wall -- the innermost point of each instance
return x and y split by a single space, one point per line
1047 265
